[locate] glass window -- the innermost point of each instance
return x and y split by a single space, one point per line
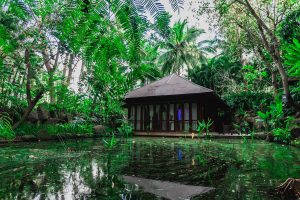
194 125
194 111
171 112
151 116
171 125
186 112
138 117
164 117
157 107
171 117
187 125
146 119
138 114
132 112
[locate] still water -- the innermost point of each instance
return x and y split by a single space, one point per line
86 169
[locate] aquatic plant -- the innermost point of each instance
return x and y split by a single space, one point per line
200 128
126 129
111 142
202 125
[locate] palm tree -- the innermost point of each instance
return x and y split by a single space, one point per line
180 49
215 72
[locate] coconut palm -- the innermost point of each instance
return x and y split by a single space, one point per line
180 50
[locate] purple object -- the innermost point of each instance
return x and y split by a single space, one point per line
179 114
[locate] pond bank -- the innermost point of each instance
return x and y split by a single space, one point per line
33 138
213 135
259 135
36 138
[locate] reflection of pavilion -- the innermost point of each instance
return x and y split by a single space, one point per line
173 104
166 189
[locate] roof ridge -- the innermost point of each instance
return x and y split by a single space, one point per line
149 83
167 86
194 83
171 76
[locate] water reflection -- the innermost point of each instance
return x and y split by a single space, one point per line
86 170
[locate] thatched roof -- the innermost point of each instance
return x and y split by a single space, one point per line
167 86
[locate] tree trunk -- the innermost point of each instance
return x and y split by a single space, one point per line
81 75
29 109
51 87
70 69
65 67
274 83
31 103
270 68
51 71
285 85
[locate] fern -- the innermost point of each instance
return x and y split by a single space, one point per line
293 58
6 130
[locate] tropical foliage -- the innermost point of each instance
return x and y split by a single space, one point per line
70 61
180 49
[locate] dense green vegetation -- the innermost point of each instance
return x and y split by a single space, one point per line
68 64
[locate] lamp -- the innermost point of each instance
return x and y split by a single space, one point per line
284 98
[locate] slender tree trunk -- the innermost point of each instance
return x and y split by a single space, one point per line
51 71
70 69
31 103
270 68
81 76
81 70
65 67
51 87
274 83
29 109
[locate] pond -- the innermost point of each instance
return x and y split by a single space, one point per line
85 169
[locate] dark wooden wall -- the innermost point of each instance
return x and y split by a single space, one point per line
207 107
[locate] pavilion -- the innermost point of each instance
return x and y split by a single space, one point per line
174 104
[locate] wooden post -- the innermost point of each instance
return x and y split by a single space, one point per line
135 113
190 116
141 118
160 117
182 116
198 112
129 113
168 112
154 123
175 118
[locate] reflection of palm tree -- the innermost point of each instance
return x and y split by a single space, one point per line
180 48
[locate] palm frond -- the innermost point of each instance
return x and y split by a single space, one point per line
176 4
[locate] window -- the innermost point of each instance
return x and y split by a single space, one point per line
178 120
186 117
194 116
163 112
138 117
171 117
